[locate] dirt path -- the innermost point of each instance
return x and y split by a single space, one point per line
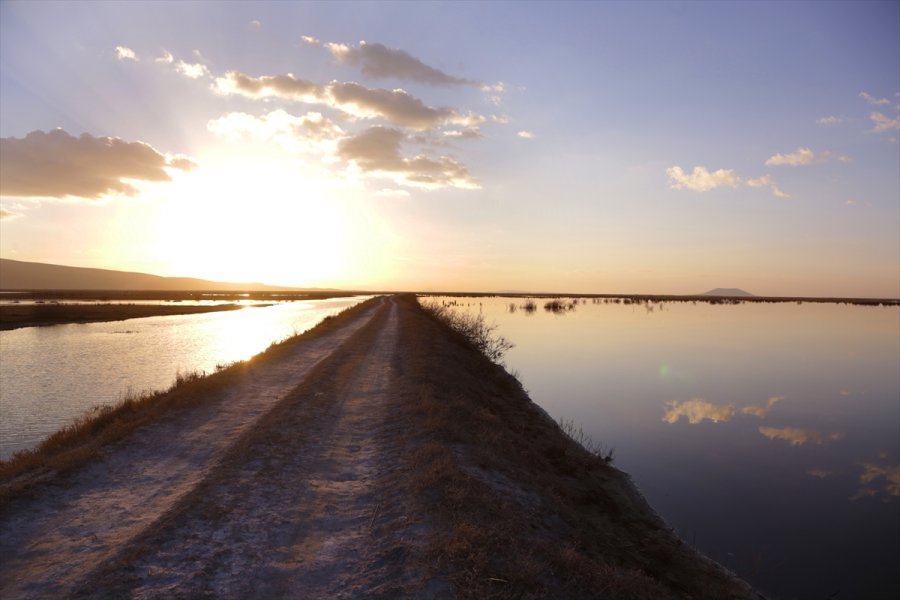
51 544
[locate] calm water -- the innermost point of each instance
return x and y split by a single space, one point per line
51 375
768 435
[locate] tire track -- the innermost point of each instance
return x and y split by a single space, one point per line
49 543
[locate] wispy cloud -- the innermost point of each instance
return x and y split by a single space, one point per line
873 100
378 61
125 53
701 179
8 214
762 411
830 120
463 134
804 156
527 135
798 437
767 181
165 59
55 164
889 473
883 123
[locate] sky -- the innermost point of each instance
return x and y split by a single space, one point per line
602 147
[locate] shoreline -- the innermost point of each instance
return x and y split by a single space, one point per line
454 466
17 316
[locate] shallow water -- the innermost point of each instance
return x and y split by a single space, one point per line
768 435
51 375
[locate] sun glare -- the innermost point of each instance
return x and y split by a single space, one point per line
254 218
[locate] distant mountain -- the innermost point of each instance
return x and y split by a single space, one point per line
20 275
731 292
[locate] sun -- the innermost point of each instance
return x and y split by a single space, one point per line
243 218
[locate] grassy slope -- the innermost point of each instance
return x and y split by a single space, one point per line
519 510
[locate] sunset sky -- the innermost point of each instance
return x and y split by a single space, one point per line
588 147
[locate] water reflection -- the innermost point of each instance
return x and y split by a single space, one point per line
773 417
51 375
798 437
887 475
697 410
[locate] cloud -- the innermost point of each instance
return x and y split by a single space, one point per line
884 123
464 134
798 437
255 24
830 120
701 180
312 132
377 151
8 214
396 106
311 40
380 62
889 473
192 71
275 86
165 59
696 410
762 411
526 135
125 53
767 181
873 100
802 157
56 164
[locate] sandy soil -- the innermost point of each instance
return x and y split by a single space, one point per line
52 543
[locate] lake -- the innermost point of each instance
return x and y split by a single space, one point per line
767 435
51 375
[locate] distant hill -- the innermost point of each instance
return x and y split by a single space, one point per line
732 292
20 275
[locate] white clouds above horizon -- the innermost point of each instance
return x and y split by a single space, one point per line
191 70
526 135
883 123
873 100
125 53
830 120
767 181
56 164
701 179
802 157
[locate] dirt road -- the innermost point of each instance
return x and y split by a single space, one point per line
384 458
269 490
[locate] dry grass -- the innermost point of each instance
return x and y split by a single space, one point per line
81 441
518 509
